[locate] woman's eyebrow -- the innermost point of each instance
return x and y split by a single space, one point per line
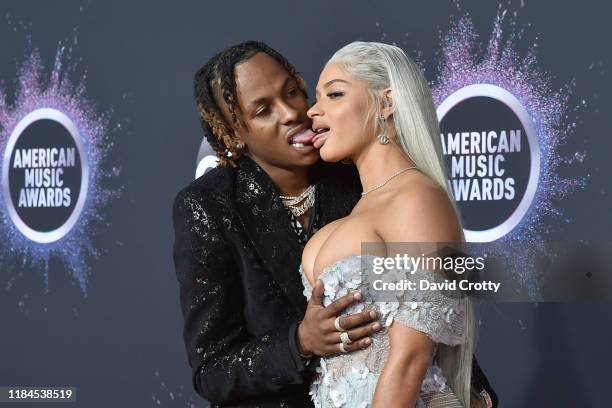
328 83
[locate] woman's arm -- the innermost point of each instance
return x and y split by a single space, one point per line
419 216
410 355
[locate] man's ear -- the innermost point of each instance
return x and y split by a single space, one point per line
388 103
239 128
236 128
237 131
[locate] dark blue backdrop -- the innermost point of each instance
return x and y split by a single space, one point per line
122 344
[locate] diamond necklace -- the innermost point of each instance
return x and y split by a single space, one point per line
292 200
387 180
308 198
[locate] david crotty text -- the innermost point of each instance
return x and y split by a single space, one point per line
424 284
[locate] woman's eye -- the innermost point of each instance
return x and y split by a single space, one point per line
292 92
334 95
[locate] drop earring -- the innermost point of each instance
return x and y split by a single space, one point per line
382 137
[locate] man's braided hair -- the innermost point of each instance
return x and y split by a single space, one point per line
216 78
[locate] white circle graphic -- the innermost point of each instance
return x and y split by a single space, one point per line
500 94
207 162
68 124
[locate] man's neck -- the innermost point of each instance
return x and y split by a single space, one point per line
290 182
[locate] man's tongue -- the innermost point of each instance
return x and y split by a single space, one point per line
303 137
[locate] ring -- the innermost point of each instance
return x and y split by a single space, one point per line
337 324
344 338
341 345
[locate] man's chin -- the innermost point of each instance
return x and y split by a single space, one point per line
306 154
287 160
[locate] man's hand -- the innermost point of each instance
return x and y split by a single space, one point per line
317 334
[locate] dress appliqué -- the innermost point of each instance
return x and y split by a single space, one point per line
349 380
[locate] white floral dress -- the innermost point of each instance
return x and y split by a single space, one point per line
349 380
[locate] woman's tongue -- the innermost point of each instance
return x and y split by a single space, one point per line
304 137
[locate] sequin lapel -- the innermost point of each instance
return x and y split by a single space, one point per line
268 226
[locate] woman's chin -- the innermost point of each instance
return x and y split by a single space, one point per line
329 155
329 158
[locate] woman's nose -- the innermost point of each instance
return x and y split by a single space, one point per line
313 111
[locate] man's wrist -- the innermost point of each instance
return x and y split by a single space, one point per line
303 365
303 353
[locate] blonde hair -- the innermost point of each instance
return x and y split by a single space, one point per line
383 66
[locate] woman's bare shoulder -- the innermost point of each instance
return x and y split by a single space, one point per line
419 211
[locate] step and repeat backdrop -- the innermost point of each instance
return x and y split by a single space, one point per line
99 131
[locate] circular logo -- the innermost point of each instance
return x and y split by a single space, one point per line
492 153
45 175
207 159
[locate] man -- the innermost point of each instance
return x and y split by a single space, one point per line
240 230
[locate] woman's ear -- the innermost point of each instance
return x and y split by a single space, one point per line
388 103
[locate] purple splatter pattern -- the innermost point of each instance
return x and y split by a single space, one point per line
464 62
63 89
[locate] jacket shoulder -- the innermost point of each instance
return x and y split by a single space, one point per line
216 185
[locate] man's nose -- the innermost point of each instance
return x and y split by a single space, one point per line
288 113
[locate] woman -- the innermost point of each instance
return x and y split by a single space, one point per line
374 107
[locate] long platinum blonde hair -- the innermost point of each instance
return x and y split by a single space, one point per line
383 66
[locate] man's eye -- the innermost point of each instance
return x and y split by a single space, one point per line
292 92
334 95
262 112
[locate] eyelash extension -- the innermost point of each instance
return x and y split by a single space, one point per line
332 95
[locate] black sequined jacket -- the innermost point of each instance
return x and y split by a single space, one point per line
236 257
